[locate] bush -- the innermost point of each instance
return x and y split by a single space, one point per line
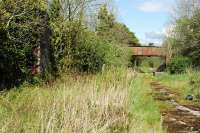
11 74
18 38
179 65
117 55
92 53
89 55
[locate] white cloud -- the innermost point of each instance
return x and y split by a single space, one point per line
154 6
153 37
150 6
157 37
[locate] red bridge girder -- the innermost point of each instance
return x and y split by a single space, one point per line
148 51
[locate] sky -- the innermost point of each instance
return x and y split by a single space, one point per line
148 19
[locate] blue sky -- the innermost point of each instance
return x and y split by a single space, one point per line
147 18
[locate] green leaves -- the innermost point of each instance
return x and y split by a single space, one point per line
89 55
21 28
179 65
113 32
187 35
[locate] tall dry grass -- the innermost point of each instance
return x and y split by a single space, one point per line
74 104
101 103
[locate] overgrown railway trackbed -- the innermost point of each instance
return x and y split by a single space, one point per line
179 119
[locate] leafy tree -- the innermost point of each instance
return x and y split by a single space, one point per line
110 30
179 65
60 31
122 35
24 24
106 20
185 39
192 49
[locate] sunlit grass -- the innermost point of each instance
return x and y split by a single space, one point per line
182 83
147 118
111 101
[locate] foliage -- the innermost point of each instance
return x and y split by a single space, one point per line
114 32
89 103
92 53
22 26
74 45
186 35
89 55
153 62
184 84
194 78
11 74
192 38
122 35
106 20
117 55
58 30
179 65
143 108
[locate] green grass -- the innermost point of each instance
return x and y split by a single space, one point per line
146 116
154 62
181 84
111 101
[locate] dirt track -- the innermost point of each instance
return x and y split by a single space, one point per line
181 118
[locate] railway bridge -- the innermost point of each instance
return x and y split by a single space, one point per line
149 51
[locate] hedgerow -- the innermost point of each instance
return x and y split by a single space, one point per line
92 53
179 64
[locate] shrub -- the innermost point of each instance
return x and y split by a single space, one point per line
11 74
116 55
89 55
18 37
179 64
92 53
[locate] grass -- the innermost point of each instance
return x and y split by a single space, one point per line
181 84
146 116
111 101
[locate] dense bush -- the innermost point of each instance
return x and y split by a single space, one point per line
117 55
179 65
89 55
92 53
24 27
194 77
63 40
11 74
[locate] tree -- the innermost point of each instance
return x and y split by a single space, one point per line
67 20
192 47
122 35
112 31
106 20
186 32
25 24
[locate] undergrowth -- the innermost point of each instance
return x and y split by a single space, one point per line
111 101
146 115
184 84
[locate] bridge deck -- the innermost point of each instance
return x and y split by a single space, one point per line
148 51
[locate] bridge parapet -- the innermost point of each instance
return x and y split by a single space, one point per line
148 51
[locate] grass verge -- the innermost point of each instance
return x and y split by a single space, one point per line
111 101
183 85
146 116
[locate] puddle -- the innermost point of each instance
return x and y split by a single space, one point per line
183 118
183 108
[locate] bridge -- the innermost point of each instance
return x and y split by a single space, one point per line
151 51
148 51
